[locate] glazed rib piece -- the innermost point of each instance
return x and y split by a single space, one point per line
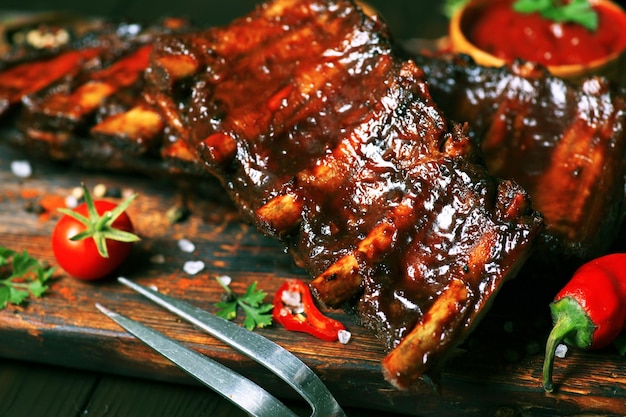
31 77
564 143
86 103
329 142
68 110
27 71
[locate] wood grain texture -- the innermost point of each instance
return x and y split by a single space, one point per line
496 371
130 397
69 391
35 390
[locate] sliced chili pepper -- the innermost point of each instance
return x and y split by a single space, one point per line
590 311
295 309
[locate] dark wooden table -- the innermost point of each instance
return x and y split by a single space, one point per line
42 374
37 390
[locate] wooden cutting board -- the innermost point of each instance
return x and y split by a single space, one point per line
497 371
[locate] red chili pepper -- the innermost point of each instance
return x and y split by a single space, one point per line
295 310
590 311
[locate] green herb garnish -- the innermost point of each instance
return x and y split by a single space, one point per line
257 313
21 276
575 11
450 7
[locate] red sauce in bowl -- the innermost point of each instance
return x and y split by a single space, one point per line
507 34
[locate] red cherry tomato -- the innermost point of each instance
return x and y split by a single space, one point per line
81 258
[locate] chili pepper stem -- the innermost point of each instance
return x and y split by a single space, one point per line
572 326
564 326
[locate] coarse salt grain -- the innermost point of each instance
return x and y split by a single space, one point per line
99 190
225 280
71 201
292 300
560 351
21 169
193 267
78 193
344 336
158 259
186 245
127 193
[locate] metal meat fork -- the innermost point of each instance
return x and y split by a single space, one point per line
239 390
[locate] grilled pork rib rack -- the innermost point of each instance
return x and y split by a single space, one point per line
328 141
324 137
565 145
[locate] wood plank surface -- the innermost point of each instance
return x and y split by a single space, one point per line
41 390
35 390
32 391
497 372
497 369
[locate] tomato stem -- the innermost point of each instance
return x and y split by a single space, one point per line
100 227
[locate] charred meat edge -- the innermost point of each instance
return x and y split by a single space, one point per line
329 142
564 143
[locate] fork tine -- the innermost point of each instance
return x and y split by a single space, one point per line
239 390
262 350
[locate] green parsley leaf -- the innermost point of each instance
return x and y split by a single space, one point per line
5 295
227 309
258 316
531 6
21 276
576 11
257 313
5 255
17 296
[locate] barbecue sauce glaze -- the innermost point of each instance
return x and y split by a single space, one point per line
328 141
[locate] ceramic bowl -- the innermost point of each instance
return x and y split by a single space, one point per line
612 66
